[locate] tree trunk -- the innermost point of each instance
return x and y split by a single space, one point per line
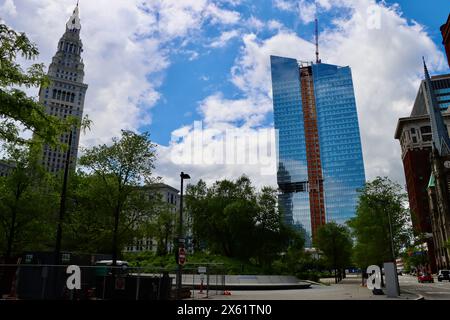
11 235
12 230
115 236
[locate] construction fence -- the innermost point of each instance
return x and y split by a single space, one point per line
105 282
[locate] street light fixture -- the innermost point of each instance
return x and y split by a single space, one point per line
183 176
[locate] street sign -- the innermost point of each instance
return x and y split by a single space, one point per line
201 269
120 283
181 256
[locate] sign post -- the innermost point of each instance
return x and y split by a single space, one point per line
181 256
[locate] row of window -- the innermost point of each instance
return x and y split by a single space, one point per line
69 47
63 95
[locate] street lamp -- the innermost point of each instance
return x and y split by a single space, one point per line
183 176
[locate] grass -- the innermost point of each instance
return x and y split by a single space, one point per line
222 264
225 264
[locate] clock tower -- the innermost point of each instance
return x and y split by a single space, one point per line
65 95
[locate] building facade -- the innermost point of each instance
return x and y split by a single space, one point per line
415 135
170 202
65 95
320 162
445 31
5 168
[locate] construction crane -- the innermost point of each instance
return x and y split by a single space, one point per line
317 40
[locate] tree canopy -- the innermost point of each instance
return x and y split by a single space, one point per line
380 215
27 202
117 173
236 221
335 243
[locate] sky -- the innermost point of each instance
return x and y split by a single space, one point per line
170 67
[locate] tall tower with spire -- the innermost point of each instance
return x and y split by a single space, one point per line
65 95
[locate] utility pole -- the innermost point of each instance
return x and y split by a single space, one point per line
180 238
62 206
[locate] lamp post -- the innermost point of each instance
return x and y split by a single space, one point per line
392 237
62 206
183 176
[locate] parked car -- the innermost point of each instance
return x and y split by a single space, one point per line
104 267
425 277
443 275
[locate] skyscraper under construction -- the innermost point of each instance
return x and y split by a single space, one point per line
320 162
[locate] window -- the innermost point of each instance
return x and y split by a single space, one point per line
426 129
65 257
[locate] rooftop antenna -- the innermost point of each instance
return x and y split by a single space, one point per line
316 21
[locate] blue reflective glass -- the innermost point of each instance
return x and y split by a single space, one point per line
288 120
340 142
339 138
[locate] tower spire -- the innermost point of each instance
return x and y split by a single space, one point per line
317 40
74 20
441 140
316 22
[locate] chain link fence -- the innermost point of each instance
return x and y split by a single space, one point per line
105 282
204 280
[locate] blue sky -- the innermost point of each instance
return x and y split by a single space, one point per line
188 82
160 65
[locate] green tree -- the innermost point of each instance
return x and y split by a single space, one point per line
27 203
382 225
415 257
272 231
335 243
236 221
162 226
15 106
118 173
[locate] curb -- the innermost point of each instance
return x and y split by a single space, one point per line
313 282
420 297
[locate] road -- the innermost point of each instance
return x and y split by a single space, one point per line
430 291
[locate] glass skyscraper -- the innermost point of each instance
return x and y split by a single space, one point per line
320 162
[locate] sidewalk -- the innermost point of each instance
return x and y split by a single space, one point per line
347 289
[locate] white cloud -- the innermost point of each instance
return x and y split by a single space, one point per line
306 11
222 16
255 23
127 48
224 38
275 25
386 74
8 8
216 109
251 72
285 5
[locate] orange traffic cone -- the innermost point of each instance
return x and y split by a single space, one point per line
12 293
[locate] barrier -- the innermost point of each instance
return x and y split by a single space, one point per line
53 282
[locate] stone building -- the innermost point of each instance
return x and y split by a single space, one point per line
65 95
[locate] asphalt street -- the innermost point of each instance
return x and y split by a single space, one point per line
430 291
